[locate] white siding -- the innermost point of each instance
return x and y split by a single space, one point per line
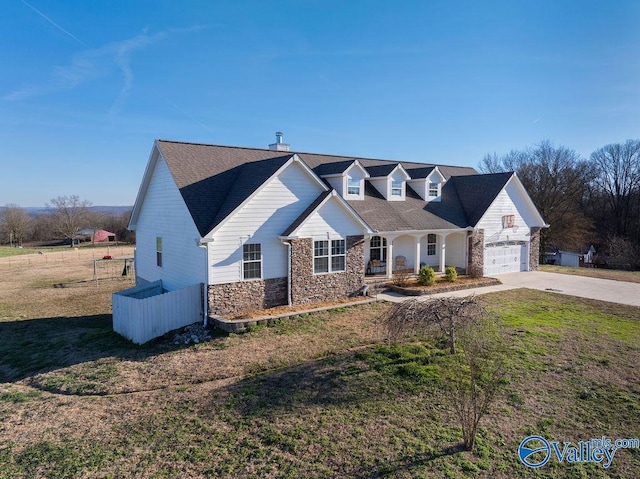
455 254
420 187
434 260
337 183
265 217
404 246
330 218
381 184
164 214
508 202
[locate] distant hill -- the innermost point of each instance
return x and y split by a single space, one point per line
113 210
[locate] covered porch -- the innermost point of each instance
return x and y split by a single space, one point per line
388 252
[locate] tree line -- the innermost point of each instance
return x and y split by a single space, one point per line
64 217
585 201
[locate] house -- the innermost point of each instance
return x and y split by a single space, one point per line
267 227
571 258
95 235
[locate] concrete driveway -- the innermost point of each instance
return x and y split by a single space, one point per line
581 286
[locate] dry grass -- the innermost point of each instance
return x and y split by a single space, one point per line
306 397
617 275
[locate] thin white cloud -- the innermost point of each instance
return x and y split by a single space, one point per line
54 23
121 52
96 63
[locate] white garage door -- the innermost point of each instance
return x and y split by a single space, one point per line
505 257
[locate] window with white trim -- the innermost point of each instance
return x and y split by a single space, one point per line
329 257
396 187
431 244
251 261
378 248
353 186
159 251
338 255
433 189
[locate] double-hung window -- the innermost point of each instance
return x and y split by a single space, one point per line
433 189
338 256
159 251
329 256
396 188
378 248
431 245
353 186
251 261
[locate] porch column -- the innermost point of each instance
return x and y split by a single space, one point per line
443 251
416 263
390 260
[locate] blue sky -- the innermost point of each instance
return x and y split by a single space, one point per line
86 86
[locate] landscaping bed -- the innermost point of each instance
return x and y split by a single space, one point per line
413 288
263 317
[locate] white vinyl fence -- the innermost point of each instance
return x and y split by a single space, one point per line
146 312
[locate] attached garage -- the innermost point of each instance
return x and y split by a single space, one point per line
505 257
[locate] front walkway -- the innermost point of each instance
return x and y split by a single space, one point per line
581 286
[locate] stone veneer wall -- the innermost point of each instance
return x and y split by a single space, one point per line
534 249
307 287
476 254
245 296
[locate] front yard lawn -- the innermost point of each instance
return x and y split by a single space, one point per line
316 396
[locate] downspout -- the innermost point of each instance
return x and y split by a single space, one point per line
288 243
204 243
205 295
289 272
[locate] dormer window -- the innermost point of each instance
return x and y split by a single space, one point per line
396 188
346 177
427 182
353 186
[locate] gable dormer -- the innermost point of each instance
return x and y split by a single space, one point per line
390 181
347 178
427 182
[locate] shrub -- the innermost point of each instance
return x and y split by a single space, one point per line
401 277
451 274
427 276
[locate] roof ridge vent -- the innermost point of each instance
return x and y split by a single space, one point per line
279 145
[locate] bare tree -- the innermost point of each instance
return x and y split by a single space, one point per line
15 224
557 180
69 214
618 178
475 369
477 374
446 315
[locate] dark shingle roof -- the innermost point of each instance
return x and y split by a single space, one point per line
477 192
420 172
214 180
334 168
411 214
378 171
